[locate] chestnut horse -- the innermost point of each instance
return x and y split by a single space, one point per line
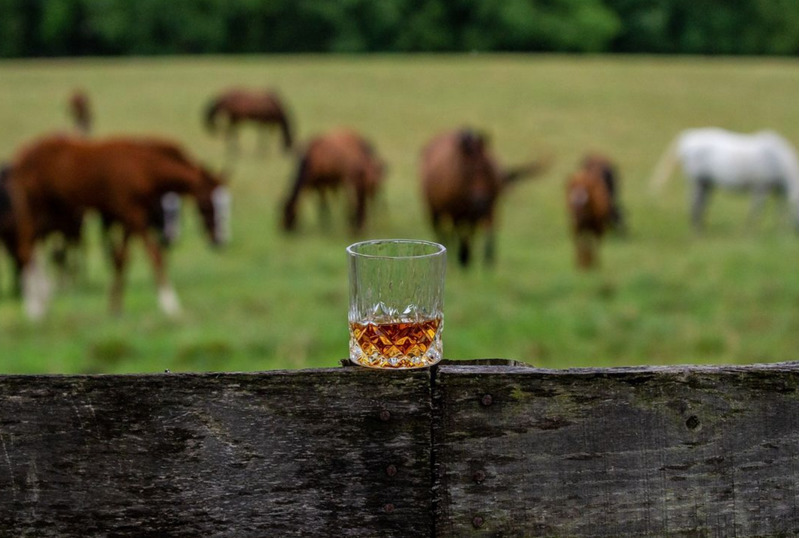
590 211
462 182
163 219
122 179
80 111
239 105
338 159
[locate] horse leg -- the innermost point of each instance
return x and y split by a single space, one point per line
324 209
700 194
232 139
360 213
489 247
34 283
167 298
119 258
584 250
757 205
36 289
464 248
438 229
263 141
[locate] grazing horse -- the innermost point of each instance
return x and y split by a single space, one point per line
605 168
338 159
239 105
762 163
163 219
590 208
123 180
461 184
81 112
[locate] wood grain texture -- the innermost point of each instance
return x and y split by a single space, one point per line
276 454
622 452
485 448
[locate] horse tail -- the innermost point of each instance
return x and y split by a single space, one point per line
211 114
664 167
290 206
532 169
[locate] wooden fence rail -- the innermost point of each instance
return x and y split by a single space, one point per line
489 448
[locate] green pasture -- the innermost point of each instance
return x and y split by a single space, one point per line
664 295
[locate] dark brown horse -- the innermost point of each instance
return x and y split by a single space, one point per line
339 159
589 207
122 179
81 111
239 105
461 184
8 228
602 165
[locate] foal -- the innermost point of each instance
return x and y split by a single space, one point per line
603 166
589 207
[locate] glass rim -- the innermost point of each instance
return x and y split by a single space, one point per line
439 249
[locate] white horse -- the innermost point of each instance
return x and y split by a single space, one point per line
763 162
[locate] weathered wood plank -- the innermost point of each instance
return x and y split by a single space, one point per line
622 452
342 452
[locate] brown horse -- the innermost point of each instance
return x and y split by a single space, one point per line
589 207
338 159
602 165
240 105
461 183
122 179
81 112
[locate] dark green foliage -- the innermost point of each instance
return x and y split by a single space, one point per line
149 27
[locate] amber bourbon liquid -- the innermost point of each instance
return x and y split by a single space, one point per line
396 344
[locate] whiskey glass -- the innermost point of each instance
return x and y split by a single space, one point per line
396 298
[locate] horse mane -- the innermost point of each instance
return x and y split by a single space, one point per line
283 120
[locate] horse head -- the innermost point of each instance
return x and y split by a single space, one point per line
213 202
472 143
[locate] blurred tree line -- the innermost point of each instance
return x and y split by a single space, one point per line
30 28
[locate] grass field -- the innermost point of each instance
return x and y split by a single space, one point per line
663 295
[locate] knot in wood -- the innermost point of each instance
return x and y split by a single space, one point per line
693 422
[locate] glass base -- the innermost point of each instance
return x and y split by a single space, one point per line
395 363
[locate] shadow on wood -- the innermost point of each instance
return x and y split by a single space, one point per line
486 448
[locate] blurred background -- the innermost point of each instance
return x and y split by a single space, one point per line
537 79
116 27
